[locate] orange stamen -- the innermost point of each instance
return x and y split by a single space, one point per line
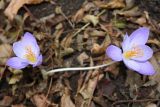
134 52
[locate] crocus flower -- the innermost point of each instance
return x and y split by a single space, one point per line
135 53
27 52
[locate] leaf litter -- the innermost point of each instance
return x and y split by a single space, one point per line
76 34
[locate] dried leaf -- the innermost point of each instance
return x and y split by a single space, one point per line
2 4
57 35
141 21
113 69
66 42
6 101
154 41
89 6
91 19
66 51
79 42
15 78
151 105
15 5
98 49
18 105
106 87
39 35
112 4
41 101
132 78
58 10
80 13
83 56
129 4
78 16
97 33
5 52
130 13
15 71
1 72
88 88
119 24
66 100
156 76
59 26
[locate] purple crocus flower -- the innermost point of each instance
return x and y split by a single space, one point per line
135 53
27 52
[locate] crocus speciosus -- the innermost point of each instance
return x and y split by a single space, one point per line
27 52
135 53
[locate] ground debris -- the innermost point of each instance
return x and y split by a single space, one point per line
76 33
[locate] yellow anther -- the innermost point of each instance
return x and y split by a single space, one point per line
134 52
30 56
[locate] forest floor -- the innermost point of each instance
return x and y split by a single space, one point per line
76 33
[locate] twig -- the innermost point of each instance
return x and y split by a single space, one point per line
77 68
87 24
71 24
133 101
82 28
50 85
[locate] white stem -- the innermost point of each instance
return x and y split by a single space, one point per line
77 68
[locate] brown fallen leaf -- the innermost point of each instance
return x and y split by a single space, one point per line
83 56
129 4
91 19
154 41
78 16
2 4
41 101
18 105
99 49
85 94
155 77
66 51
66 42
112 4
15 78
141 21
66 100
6 101
151 105
80 13
5 52
15 5
97 33
132 78
133 12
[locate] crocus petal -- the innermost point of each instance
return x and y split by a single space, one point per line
29 40
39 61
17 63
147 53
19 49
35 49
144 68
139 37
125 43
114 52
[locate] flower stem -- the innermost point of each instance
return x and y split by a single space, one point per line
51 72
